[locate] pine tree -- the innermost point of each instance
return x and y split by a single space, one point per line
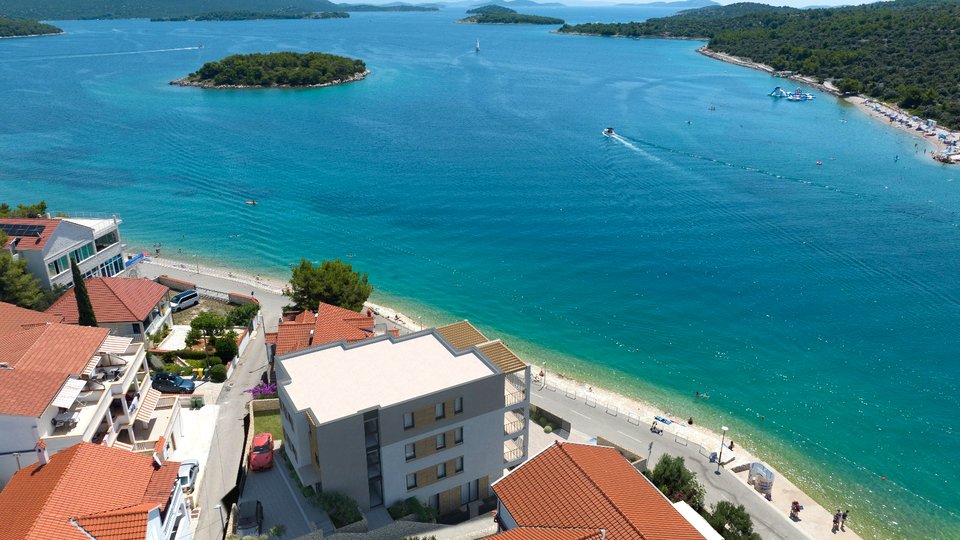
87 317
17 285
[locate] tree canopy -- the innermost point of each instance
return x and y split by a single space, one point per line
280 69
732 521
84 306
490 8
210 323
24 27
510 18
903 51
333 282
17 285
677 482
124 9
252 15
23 211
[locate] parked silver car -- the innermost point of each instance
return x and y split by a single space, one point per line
187 478
185 300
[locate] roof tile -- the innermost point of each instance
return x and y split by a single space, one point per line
585 486
40 501
330 323
115 300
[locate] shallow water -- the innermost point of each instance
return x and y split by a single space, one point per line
700 250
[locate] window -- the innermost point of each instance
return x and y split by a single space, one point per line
458 405
112 267
58 266
410 450
82 253
441 471
459 465
434 501
411 481
441 441
106 240
458 436
407 420
440 411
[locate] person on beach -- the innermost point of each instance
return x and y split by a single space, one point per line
690 420
836 521
843 520
731 444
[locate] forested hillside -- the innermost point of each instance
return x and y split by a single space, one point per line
22 27
153 9
905 51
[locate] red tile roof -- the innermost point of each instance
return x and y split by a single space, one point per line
115 300
583 486
14 318
103 488
549 533
329 323
31 243
39 359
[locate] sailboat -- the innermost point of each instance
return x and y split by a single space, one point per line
478 46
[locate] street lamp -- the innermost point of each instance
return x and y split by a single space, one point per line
223 524
722 440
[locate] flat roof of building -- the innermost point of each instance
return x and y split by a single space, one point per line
340 380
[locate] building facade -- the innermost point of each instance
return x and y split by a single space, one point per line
66 384
390 418
48 245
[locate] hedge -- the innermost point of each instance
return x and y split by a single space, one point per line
218 373
341 508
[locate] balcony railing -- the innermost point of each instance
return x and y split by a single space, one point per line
512 455
513 398
513 427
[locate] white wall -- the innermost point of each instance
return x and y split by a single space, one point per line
19 435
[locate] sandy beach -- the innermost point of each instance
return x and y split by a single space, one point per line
937 145
816 520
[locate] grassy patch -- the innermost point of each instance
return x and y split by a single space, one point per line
206 304
268 421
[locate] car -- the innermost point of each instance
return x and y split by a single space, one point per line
185 300
249 518
261 455
187 477
171 383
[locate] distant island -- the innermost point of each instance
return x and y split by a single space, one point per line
10 28
124 9
252 15
902 51
511 17
276 70
490 8
679 4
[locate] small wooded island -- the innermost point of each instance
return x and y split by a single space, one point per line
26 28
509 18
251 16
276 70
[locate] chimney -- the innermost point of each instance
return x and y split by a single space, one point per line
42 456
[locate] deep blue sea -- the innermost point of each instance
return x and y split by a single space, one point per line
704 250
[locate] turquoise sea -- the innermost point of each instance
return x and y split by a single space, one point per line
703 251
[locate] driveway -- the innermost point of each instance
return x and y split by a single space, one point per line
282 503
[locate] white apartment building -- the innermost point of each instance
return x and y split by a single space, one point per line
437 415
48 245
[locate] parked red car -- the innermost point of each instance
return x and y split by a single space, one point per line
261 456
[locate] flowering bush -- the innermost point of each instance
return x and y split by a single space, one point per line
264 391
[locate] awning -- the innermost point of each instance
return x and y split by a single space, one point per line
91 365
115 344
148 405
68 393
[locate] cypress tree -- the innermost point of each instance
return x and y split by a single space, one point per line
87 317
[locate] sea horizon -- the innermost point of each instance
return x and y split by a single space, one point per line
701 250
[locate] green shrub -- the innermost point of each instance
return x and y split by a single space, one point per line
423 514
548 428
193 336
308 492
242 315
218 373
341 508
226 346
174 368
398 510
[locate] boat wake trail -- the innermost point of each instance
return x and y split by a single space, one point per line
94 55
634 147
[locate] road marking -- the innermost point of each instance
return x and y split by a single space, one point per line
625 435
581 414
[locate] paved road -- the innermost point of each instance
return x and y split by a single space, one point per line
769 519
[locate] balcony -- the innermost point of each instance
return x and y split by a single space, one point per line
513 423
513 452
92 407
157 417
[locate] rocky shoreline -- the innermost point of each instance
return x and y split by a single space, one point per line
33 35
208 85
